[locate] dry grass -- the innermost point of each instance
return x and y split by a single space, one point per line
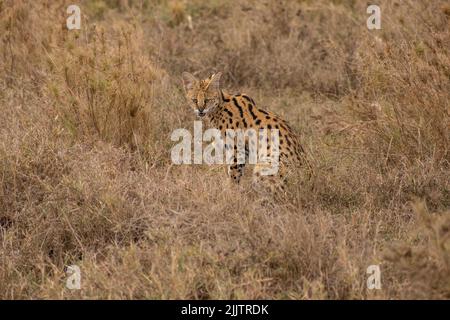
86 176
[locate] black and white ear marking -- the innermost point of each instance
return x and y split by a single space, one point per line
188 80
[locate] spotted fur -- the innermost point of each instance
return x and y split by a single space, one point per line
225 111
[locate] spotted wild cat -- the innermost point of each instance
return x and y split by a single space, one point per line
239 112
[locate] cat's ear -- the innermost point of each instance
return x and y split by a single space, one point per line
214 84
188 80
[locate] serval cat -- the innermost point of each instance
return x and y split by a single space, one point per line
239 112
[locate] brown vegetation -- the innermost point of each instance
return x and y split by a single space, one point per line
86 176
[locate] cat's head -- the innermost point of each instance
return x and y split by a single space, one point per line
203 95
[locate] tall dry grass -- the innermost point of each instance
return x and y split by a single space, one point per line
85 169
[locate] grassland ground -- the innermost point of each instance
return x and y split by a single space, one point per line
85 171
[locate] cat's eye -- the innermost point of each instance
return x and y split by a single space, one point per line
194 101
208 100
